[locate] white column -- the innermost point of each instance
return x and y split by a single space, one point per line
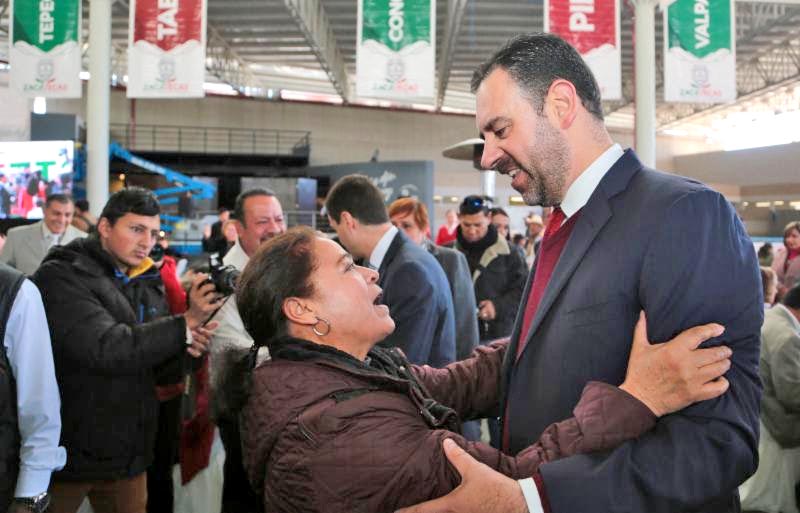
645 66
487 183
98 104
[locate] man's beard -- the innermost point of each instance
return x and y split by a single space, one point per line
546 169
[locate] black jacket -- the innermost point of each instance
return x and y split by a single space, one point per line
107 350
499 274
10 282
416 291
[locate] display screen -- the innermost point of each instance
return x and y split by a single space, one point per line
31 170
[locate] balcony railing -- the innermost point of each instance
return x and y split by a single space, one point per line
212 140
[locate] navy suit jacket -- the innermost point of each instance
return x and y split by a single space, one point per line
417 293
676 249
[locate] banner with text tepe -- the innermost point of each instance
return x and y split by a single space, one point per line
592 27
45 54
166 48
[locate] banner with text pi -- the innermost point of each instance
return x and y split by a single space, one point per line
45 54
166 48
592 27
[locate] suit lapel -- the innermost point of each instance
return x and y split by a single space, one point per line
35 241
593 217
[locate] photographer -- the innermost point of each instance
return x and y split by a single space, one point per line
259 217
112 337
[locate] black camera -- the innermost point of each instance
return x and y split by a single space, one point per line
224 277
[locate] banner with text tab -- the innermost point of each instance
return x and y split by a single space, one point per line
592 27
699 51
45 52
167 48
396 49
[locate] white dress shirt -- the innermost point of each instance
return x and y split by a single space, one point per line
576 198
381 248
583 187
50 239
27 344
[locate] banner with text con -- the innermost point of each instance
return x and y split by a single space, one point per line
699 51
45 54
592 27
396 49
167 48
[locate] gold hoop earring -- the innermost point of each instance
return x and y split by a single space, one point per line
319 333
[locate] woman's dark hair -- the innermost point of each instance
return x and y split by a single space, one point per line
280 269
131 200
765 250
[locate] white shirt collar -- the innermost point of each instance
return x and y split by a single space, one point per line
50 236
795 322
376 258
236 257
583 187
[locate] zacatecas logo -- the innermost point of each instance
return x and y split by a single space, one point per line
701 86
45 69
166 80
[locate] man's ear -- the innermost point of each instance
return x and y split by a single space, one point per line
297 311
104 227
348 220
564 103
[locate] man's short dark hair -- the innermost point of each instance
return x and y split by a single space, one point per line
474 204
131 200
59 197
792 298
537 60
498 211
238 206
82 205
359 196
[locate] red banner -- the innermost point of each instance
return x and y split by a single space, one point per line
168 23
592 27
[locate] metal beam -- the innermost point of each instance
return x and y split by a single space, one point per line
455 14
226 64
310 17
776 68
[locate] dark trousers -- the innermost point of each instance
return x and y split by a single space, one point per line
160 492
120 496
237 495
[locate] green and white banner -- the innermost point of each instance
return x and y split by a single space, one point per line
45 52
396 49
699 51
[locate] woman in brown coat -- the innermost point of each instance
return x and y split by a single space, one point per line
335 423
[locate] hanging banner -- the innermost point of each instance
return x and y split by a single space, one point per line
592 27
699 51
45 52
396 49
167 48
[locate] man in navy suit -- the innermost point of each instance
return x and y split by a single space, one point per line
622 238
415 287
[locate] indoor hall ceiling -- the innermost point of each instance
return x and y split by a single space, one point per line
262 47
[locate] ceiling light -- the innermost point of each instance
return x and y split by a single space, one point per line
778 203
763 204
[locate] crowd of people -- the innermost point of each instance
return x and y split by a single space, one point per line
618 361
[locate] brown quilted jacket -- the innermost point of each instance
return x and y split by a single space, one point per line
324 432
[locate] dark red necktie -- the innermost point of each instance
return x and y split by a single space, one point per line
541 277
